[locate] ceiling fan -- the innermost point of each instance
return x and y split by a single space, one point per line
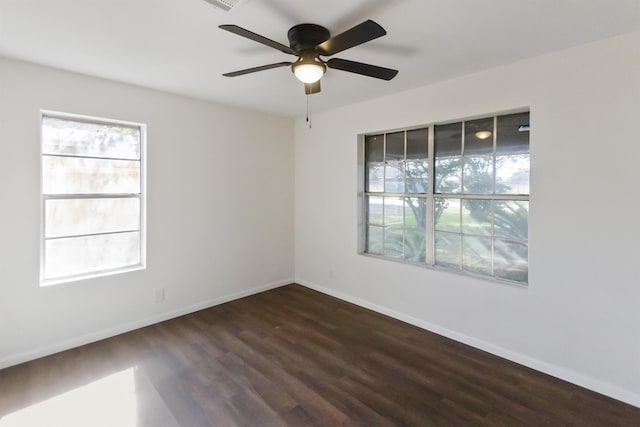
309 42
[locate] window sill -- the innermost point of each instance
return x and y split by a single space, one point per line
69 279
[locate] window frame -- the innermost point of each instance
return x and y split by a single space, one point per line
431 195
141 196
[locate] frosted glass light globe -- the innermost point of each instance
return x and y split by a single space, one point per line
308 73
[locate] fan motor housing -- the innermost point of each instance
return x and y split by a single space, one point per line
306 37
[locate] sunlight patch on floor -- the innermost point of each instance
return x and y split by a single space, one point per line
109 401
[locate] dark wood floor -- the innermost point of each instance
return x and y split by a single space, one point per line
292 356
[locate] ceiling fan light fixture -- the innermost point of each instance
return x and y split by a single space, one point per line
308 70
308 42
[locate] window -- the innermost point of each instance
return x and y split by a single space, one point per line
397 178
92 197
452 196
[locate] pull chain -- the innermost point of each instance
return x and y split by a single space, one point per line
309 110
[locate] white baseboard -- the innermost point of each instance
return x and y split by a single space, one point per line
547 368
130 326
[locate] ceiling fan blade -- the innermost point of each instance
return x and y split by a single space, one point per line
255 69
364 69
258 38
311 88
359 34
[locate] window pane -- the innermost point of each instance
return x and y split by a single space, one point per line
393 177
476 217
415 219
448 250
374 240
417 175
78 255
418 143
393 231
393 241
476 254
375 177
415 245
393 211
478 175
72 175
91 216
512 174
395 146
511 261
374 148
76 138
448 175
374 210
447 214
448 140
511 138
511 219
478 137
415 212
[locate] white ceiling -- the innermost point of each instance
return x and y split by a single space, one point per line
175 45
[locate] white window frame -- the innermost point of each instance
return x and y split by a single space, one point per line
430 195
142 197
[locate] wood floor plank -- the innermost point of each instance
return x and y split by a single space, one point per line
294 357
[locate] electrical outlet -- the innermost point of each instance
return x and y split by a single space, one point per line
159 295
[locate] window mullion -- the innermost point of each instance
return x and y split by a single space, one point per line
384 188
430 211
91 196
493 203
404 197
462 192
103 233
90 157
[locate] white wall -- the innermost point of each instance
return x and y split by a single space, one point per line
220 210
220 213
580 316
